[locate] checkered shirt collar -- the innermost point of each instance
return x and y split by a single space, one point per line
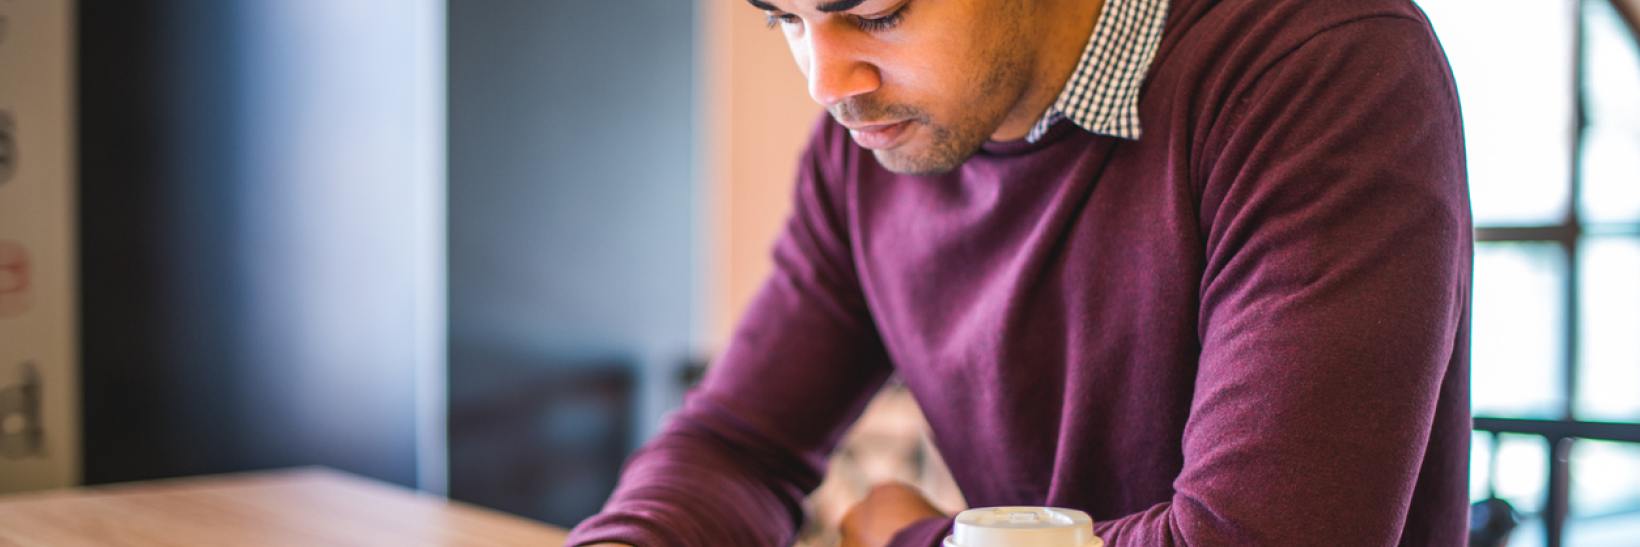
1103 95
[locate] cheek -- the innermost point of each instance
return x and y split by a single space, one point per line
942 63
928 76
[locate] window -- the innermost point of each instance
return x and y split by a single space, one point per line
1551 104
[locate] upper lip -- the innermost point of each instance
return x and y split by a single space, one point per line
869 127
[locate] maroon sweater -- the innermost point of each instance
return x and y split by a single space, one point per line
1247 328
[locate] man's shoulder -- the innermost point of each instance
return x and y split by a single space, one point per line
1287 12
1267 28
831 156
829 140
1214 53
829 166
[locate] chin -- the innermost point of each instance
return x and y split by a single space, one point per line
906 164
936 149
937 159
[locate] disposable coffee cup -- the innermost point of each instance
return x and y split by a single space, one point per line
1023 527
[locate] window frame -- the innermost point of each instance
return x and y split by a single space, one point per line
1561 434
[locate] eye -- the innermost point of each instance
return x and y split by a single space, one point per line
883 23
780 18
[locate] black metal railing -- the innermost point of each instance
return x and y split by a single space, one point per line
1560 435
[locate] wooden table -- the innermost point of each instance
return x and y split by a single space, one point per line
310 507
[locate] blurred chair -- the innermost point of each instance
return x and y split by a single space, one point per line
1490 522
544 441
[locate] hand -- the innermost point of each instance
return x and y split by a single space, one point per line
889 508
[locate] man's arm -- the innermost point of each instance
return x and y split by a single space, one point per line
1337 284
731 468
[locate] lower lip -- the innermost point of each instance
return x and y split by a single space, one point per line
880 138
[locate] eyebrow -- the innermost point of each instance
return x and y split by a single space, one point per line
828 7
838 5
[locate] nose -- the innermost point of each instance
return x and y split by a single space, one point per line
836 70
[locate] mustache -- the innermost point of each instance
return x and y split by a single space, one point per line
866 109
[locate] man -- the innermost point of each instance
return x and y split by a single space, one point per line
1199 268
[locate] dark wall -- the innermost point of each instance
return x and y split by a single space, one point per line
572 201
159 303
572 237
255 235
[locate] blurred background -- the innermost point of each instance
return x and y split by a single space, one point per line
481 247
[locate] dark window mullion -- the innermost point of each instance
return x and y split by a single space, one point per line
1573 225
1564 233
1557 507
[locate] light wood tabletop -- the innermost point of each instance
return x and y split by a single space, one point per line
309 507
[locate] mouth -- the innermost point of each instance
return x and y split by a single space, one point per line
878 136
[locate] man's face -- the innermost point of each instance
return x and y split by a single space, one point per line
922 83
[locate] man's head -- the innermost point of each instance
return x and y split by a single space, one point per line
924 83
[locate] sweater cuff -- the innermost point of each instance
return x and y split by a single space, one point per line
929 532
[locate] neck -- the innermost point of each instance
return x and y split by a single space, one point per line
1066 26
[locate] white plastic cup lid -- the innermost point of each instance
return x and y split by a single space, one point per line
1022 527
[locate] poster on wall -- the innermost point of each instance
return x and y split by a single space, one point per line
39 366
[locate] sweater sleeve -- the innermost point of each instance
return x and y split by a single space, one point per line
732 467
1337 239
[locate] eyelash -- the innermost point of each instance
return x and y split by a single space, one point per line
879 24
887 22
776 20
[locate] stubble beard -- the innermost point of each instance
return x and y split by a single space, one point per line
949 144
